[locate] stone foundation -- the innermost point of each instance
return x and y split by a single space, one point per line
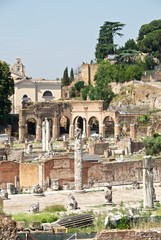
8 230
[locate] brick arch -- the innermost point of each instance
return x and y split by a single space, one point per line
109 126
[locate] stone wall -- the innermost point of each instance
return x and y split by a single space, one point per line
28 174
62 169
129 234
98 148
8 171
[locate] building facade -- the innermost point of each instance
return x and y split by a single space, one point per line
32 90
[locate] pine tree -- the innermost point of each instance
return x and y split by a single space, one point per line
105 43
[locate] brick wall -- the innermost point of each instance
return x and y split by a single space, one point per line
60 168
63 169
8 171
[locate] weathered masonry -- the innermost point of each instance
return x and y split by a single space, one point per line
65 116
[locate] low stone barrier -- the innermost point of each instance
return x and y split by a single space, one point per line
116 234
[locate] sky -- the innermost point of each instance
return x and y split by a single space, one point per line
50 35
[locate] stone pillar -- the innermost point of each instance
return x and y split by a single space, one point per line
117 129
71 131
55 132
78 158
133 131
43 136
148 183
84 128
47 136
21 132
21 126
39 131
88 131
26 131
102 130
17 184
40 174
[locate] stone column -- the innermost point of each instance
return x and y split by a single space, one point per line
40 174
21 127
102 130
39 130
148 183
55 132
43 136
84 128
133 131
71 131
117 129
88 131
78 158
47 136
21 133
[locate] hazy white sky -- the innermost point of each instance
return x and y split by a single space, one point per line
50 35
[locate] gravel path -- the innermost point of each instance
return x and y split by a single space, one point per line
86 201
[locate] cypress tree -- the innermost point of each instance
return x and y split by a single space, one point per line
65 79
71 75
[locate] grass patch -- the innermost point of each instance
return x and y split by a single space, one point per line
55 208
44 217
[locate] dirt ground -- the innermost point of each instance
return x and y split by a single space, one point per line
89 200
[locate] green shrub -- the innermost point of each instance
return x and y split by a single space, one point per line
143 119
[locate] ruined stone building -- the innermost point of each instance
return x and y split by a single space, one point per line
65 116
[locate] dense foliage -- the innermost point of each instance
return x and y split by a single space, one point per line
6 89
149 39
108 73
143 119
76 89
152 145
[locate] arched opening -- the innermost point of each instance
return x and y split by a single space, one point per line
94 125
47 95
78 122
64 125
109 126
25 98
31 128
